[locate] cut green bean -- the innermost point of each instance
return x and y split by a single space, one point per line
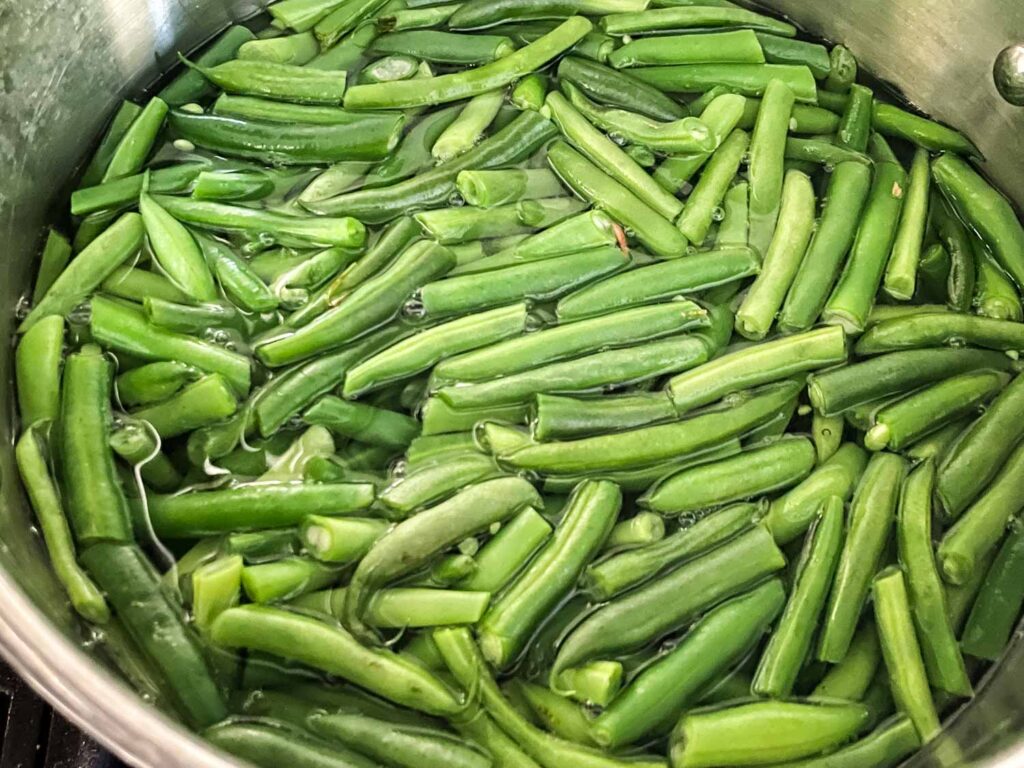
997 608
488 189
608 86
363 422
901 274
511 620
706 197
767 150
468 128
752 473
683 18
136 443
902 652
556 417
739 47
942 658
872 514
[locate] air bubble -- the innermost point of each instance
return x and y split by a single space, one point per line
718 214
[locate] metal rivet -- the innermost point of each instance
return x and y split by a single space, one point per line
1009 74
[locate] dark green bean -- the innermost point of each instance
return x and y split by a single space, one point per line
619 89
683 18
997 608
190 86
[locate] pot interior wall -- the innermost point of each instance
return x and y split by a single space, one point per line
66 63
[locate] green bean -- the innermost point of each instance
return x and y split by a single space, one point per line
854 295
684 136
298 388
468 666
593 684
135 442
642 529
468 128
938 443
589 373
155 623
557 714
262 546
330 648
395 745
852 677
935 329
886 747
640 479
369 304
33 466
533 280
124 117
909 419
902 652
363 422
295 49
822 152
38 371
426 451
508 146
252 507
556 417
983 524
529 93
415 541
488 189
586 524
871 516
426 349
985 209
267 742
855 127
611 159
962 272
286 579
445 47
55 256
187 318
767 149
126 330
754 472
844 202
477 14
96 504
739 47
939 647
416 18
137 142
89 269
177 254
290 466
995 295
788 646
608 86
901 274
764 363
266 110
893 121
783 259
503 557
763 732
450 226
983 449
651 445
153 382
664 689
683 18
232 185
833 392
124 192
302 232
707 195
783 50
933 275
438 417
216 586
606 193
827 433
842 71
91 227
745 79
348 53
488 77
190 86
268 79
997 608
413 153
609 577
678 595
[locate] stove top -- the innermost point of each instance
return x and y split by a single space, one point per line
32 735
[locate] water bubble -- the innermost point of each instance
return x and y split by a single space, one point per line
745 160
618 138
414 308
718 214
830 167
81 315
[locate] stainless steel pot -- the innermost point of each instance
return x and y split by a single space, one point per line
65 63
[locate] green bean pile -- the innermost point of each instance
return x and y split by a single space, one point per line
533 384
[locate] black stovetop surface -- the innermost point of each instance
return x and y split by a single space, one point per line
32 735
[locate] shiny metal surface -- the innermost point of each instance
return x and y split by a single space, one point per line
1008 73
63 66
